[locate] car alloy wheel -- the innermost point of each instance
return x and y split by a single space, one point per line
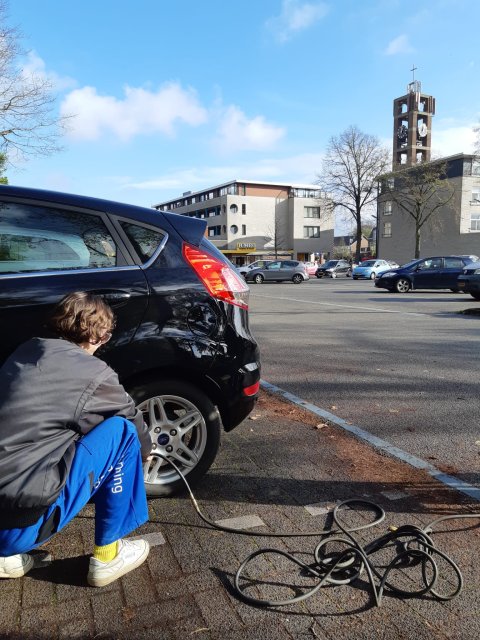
402 285
184 426
297 278
372 275
258 279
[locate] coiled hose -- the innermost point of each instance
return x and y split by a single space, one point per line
416 548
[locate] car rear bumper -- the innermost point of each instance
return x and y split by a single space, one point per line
467 284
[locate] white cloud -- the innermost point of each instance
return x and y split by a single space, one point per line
295 17
301 168
34 66
139 112
400 44
236 132
452 140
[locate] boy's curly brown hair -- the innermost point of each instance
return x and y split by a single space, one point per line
82 317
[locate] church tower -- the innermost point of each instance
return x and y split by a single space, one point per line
412 126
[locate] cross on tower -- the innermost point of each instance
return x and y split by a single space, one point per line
413 69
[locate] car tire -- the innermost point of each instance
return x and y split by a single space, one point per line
297 279
372 275
258 279
402 285
475 295
319 277
163 404
349 274
354 278
333 275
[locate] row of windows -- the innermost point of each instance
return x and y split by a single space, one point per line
41 238
216 211
474 225
218 230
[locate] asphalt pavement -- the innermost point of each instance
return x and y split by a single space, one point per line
282 470
404 367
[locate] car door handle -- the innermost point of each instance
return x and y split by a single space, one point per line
116 296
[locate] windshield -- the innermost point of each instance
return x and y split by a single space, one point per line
409 264
330 263
367 263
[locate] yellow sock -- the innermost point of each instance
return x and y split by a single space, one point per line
106 552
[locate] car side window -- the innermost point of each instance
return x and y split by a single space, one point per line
145 241
453 263
273 266
287 264
42 238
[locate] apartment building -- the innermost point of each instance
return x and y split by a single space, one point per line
249 220
453 229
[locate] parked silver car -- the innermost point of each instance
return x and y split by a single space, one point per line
244 269
279 271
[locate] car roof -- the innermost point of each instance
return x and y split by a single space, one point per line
191 229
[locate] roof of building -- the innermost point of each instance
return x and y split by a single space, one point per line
292 185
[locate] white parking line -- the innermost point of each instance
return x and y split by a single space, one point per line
343 306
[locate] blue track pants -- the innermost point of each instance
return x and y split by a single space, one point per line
108 467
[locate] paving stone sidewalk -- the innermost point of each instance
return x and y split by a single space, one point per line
281 470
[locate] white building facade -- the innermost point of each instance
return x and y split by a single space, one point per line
249 220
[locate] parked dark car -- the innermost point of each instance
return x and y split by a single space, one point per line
182 345
279 271
469 280
438 272
334 269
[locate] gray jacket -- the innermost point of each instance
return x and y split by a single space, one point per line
51 393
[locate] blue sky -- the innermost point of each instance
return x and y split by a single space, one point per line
176 96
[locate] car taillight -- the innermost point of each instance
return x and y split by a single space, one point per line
252 389
220 280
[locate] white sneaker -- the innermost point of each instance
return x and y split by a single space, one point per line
130 555
15 566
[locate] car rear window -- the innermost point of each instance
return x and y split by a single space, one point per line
145 241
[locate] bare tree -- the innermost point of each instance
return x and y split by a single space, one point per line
421 192
351 166
28 124
274 237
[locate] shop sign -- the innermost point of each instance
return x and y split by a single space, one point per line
245 246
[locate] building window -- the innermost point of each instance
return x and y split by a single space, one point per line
311 212
234 229
233 208
387 229
230 189
244 209
387 208
244 229
476 195
475 222
214 231
311 232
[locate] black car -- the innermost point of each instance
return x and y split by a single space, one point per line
469 280
182 345
438 272
334 269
